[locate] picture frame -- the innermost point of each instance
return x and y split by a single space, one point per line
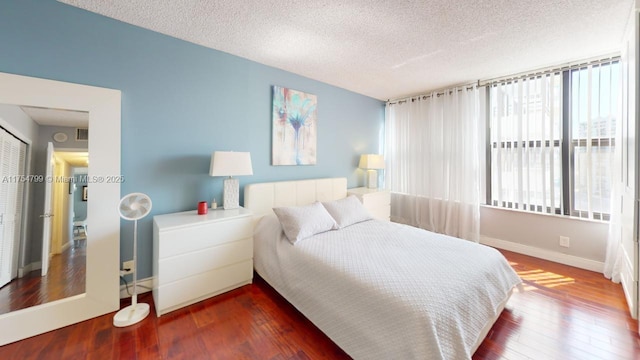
84 193
294 127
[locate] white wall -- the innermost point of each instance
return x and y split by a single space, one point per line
538 235
62 224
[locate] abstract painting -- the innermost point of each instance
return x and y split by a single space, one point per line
295 124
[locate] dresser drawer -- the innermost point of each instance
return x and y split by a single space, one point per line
185 240
201 286
178 267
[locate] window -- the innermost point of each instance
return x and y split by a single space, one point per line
594 107
552 138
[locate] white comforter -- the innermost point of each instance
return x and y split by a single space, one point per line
388 291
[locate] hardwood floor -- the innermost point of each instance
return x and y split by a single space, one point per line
66 277
563 313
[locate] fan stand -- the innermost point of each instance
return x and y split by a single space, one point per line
135 312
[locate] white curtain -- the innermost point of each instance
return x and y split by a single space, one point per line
431 151
614 256
613 260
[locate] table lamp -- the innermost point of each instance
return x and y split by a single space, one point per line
230 163
371 163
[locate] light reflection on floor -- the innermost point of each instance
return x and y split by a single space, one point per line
542 278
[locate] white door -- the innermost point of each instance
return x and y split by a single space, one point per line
46 215
10 204
19 210
628 178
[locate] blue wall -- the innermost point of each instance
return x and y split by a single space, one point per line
180 102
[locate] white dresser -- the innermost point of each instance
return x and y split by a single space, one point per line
199 256
376 201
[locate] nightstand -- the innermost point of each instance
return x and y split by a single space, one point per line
199 256
376 201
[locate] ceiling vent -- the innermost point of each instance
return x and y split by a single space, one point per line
82 134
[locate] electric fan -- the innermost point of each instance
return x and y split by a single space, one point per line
133 206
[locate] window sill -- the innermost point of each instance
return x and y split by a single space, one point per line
567 217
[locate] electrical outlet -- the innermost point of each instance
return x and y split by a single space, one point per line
127 265
564 241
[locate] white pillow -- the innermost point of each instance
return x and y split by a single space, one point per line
300 222
347 211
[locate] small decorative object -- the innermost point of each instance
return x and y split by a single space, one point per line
229 163
295 121
371 163
202 208
84 193
214 204
134 207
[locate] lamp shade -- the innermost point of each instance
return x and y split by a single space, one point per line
230 163
371 161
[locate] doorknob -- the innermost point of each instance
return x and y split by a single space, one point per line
46 215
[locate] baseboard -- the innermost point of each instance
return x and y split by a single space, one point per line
561 258
65 246
144 285
29 268
629 285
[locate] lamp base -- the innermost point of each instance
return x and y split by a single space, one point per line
372 179
231 197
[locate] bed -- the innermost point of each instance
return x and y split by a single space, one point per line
379 290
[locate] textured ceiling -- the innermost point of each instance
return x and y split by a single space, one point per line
387 48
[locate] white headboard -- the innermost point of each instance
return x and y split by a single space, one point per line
262 197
